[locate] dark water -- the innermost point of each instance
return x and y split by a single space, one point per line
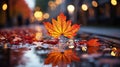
30 57
22 57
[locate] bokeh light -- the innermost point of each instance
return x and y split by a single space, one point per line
46 16
38 15
94 4
4 7
114 2
58 2
70 8
38 35
52 5
71 46
84 7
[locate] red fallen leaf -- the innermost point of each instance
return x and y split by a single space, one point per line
2 38
15 42
92 50
83 42
28 39
93 42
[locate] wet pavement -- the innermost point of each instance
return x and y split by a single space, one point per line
93 57
106 31
32 57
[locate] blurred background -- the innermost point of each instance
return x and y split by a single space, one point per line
97 18
84 12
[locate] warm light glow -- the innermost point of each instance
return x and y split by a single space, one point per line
70 8
38 36
5 46
84 7
114 48
58 2
113 2
84 48
113 53
46 16
52 5
38 15
4 7
94 3
71 46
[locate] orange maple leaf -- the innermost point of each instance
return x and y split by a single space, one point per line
93 42
58 57
61 27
